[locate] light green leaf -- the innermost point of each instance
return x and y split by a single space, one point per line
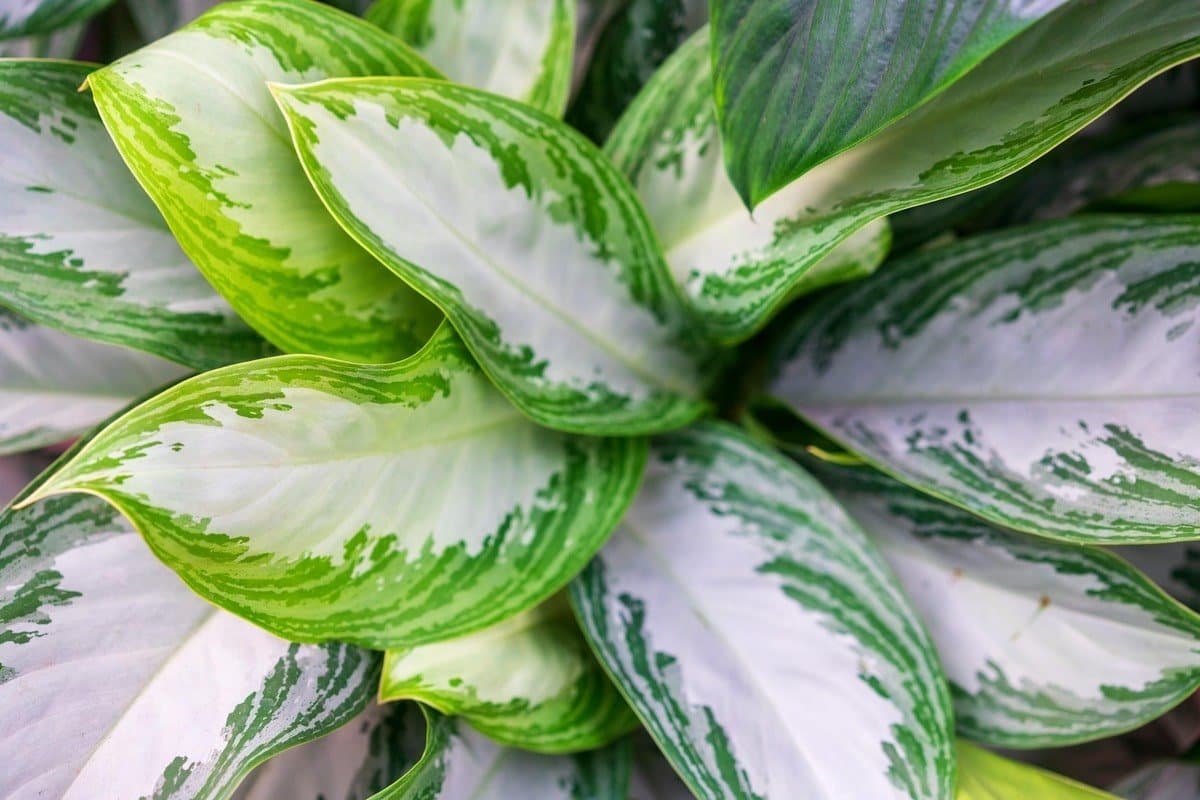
1042 377
364 756
33 17
732 265
82 248
529 682
799 82
523 50
760 638
54 387
193 119
984 776
117 682
460 763
1044 644
522 233
389 505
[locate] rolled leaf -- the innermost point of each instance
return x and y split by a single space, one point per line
82 248
34 17
193 119
117 681
460 763
984 776
386 505
1044 644
54 387
521 231
729 552
1042 378
521 50
797 82
733 266
530 682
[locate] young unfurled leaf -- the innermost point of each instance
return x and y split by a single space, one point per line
82 248
522 232
1044 644
34 17
984 776
521 50
54 387
735 268
193 119
799 81
460 763
1043 378
760 638
117 681
385 505
530 682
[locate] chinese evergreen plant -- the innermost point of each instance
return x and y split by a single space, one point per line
766 432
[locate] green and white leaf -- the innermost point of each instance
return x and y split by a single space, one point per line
523 50
54 387
363 757
389 506
1162 780
1032 94
193 118
20 18
62 43
530 682
460 763
733 266
1042 378
82 248
762 641
796 83
117 681
1044 644
523 233
986 776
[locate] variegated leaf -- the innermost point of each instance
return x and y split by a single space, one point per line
729 263
762 641
54 387
799 81
460 763
1018 104
1162 780
82 248
521 50
1044 378
34 17
385 505
117 682
192 116
1044 644
363 757
530 682
523 233
984 776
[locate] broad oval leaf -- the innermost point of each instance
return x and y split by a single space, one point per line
523 50
760 638
1032 94
460 763
82 248
193 119
530 682
984 776
798 81
522 232
734 267
385 505
1043 378
33 17
1044 644
54 387
117 681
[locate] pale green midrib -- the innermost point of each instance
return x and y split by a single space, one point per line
641 370
867 401
766 696
23 182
